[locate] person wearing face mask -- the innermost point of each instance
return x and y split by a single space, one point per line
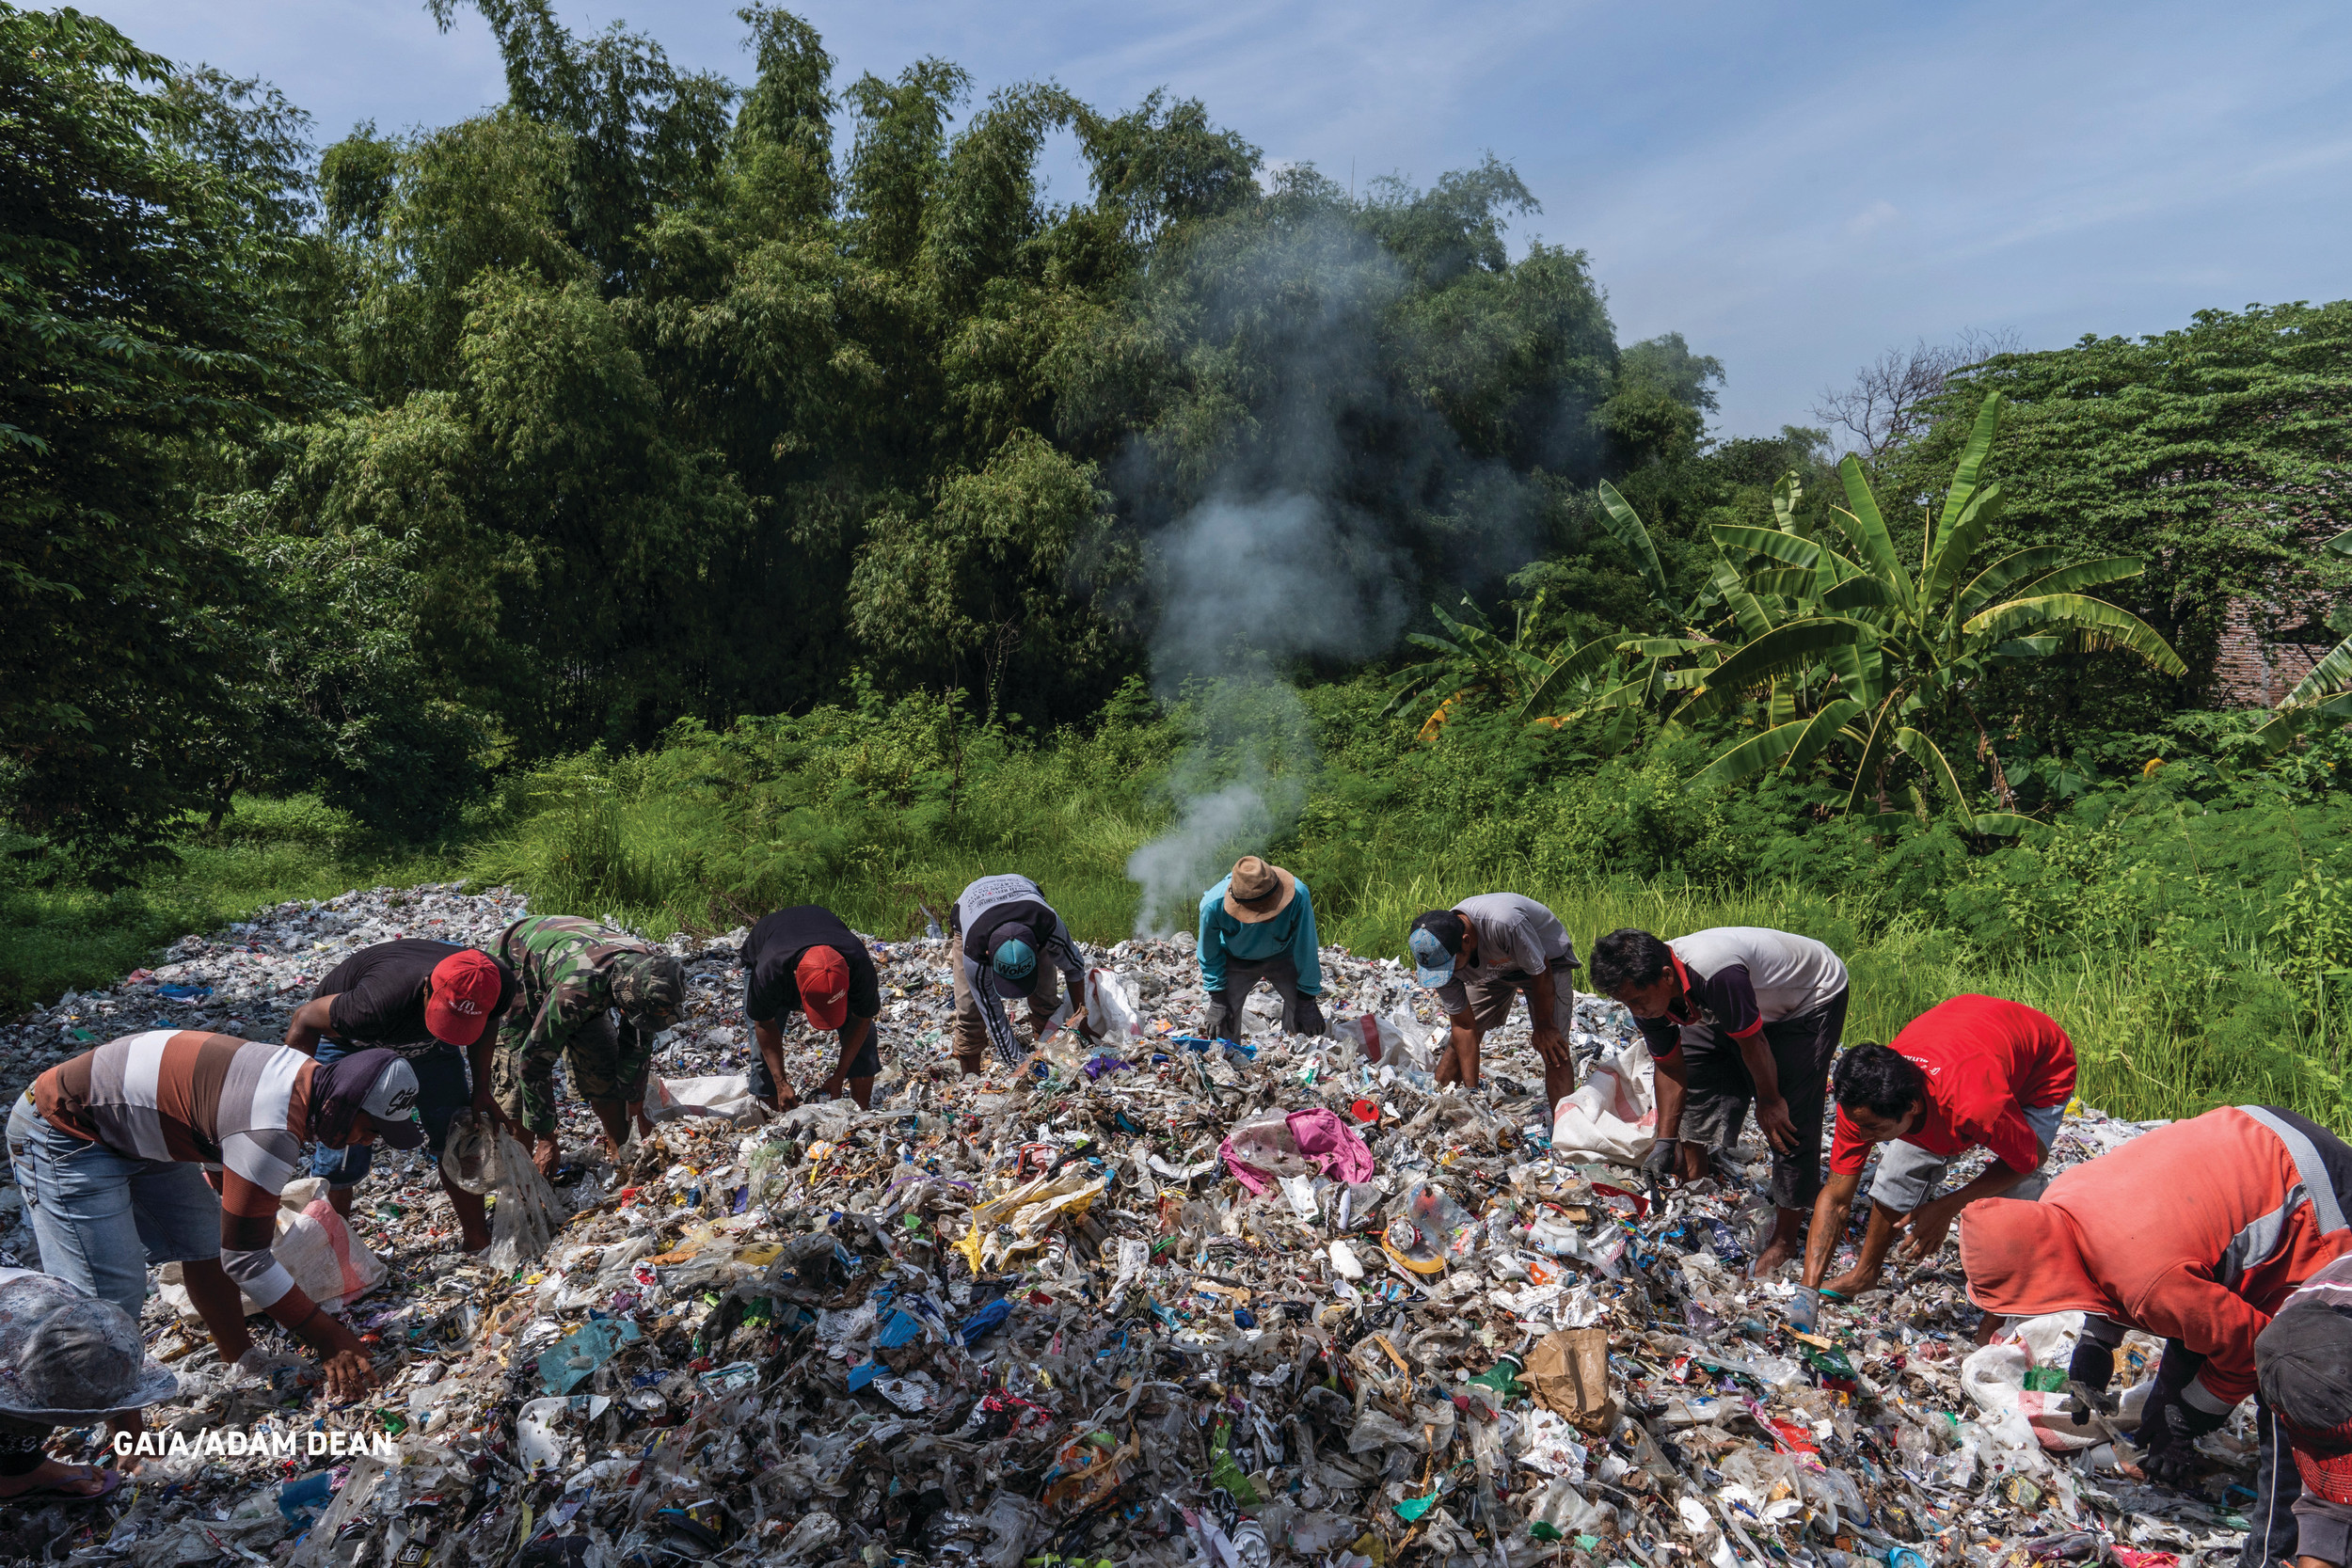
1973 1073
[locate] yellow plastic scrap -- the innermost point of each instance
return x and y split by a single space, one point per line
970 1247
1029 1211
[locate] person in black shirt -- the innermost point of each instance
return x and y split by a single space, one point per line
427 1001
803 959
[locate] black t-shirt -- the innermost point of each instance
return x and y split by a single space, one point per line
380 994
773 952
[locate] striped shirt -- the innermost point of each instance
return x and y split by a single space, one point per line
187 1096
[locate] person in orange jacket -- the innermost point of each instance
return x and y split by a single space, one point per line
2196 1232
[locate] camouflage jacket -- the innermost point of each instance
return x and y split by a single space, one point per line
563 971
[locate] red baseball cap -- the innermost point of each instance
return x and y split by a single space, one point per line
465 991
823 976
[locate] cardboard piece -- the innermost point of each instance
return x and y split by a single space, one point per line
1570 1371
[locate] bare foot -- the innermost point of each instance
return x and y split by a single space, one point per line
1771 1259
52 1475
547 1155
1853 1283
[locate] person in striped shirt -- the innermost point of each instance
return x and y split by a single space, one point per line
110 1148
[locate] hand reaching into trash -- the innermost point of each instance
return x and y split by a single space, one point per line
1664 1157
349 1375
2169 1426
1924 1237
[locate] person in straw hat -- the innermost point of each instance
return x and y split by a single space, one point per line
1259 924
67 1358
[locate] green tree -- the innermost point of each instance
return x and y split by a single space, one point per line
1862 656
2215 452
142 322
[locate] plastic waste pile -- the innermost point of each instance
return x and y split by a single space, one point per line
1155 1300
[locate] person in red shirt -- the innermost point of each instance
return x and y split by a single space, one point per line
2197 1233
1973 1073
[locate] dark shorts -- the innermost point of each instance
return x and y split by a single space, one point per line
1720 1092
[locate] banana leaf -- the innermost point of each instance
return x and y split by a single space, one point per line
1626 526
2102 622
1783 649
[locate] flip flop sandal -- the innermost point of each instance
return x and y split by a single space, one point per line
113 1479
1828 1295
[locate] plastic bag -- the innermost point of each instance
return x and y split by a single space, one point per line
1994 1378
314 1245
1614 1114
469 1156
726 1097
526 1214
1113 1007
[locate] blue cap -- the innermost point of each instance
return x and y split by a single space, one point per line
1433 966
1013 959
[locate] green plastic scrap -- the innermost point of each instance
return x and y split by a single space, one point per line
1224 1472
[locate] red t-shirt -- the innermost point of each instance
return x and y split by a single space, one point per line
1987 1061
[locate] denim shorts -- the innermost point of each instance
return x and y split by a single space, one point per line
1909 1175
442 1093
102 1217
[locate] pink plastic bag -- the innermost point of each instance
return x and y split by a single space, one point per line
1260 1152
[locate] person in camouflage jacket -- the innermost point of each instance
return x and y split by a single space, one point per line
573 977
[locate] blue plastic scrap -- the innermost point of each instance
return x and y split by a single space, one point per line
986 1321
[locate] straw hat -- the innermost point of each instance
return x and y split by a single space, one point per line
1258 891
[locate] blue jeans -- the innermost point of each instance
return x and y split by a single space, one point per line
442 1093
103 1218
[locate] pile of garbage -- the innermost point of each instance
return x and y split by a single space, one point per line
1157 1300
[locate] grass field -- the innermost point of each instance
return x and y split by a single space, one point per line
2178 992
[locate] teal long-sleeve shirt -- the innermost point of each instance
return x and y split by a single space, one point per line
1292 932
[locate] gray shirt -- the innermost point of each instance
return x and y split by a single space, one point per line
995 901
1517 939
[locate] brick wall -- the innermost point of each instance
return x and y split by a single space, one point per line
2253 673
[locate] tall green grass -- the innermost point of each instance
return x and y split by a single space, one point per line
656 843
58 934
2188 946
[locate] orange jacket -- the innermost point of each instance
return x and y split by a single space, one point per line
2195 1231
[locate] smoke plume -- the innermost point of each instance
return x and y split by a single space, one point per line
1314 544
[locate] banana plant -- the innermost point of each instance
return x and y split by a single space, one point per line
1875 658
2325 695
1623 675
1470 659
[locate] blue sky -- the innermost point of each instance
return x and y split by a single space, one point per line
1793 187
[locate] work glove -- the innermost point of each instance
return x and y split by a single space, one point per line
1805 1309
2169 1429
2093 1365
1660 1162
1219 1019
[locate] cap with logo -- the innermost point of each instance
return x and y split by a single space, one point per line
465 989
1013 958
823 978
375 1084
1436 942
